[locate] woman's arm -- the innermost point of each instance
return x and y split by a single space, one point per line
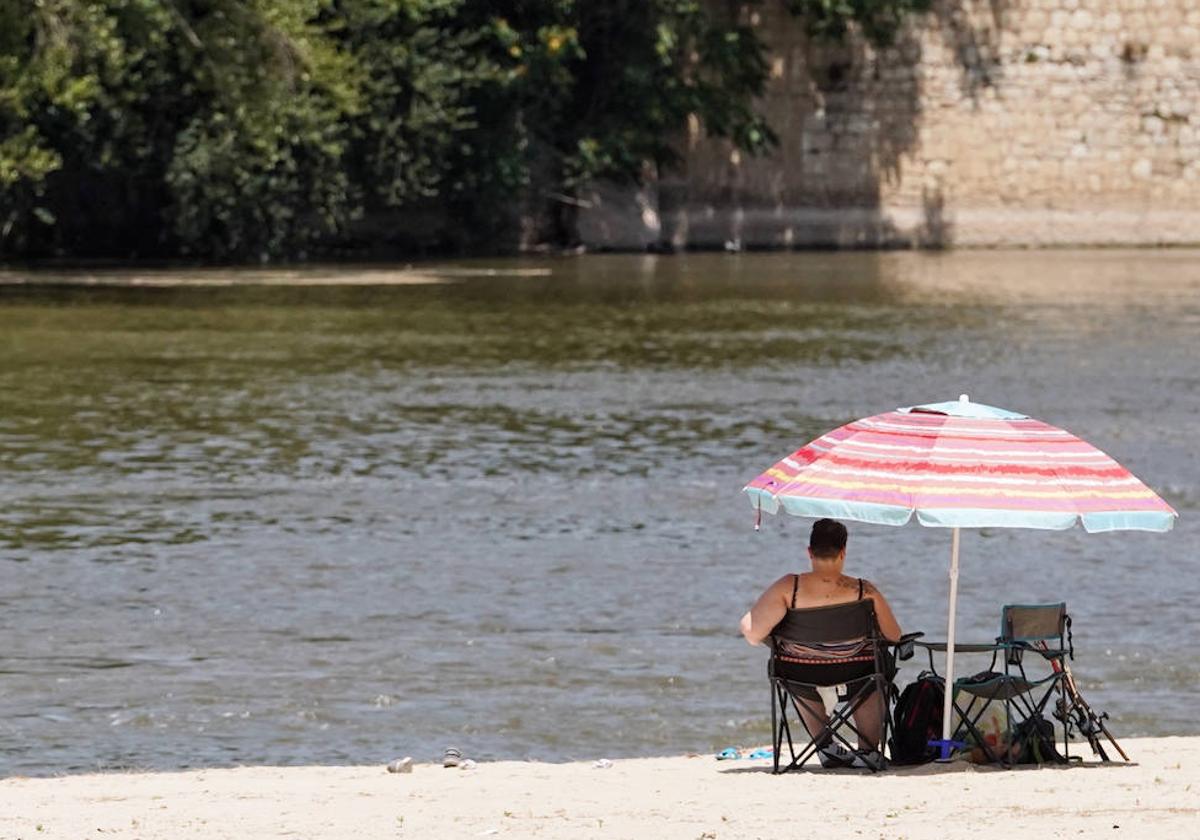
771 606
883 612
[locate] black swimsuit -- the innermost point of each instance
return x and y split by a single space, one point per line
796 586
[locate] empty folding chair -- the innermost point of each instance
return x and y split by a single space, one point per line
1034 642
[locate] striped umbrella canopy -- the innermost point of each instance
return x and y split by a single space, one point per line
959 465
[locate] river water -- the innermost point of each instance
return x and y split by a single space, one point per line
497 505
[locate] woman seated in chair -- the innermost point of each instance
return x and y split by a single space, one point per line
825 586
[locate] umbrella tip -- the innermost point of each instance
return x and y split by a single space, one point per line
963 398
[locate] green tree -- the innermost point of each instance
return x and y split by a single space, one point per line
427 77
598 90
255 165
879 20
247 129
204 127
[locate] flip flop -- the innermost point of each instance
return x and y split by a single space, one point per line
762 752
728 753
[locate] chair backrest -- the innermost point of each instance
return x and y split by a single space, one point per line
826 625
1032 622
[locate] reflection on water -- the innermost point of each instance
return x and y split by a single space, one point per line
499 506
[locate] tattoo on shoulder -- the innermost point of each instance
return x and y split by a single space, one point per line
869 587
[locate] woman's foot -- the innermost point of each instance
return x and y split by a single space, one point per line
834 756
869 759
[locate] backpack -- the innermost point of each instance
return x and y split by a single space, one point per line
1033 739
918 719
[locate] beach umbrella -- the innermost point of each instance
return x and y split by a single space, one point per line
959 465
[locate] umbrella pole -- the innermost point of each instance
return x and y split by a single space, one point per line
948 702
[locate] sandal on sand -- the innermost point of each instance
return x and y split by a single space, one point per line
762 752
728 753
452 758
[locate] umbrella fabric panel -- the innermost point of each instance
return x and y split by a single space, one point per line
958 472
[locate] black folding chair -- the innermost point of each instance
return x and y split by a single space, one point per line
839 647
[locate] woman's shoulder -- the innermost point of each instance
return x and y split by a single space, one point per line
870 589
786 582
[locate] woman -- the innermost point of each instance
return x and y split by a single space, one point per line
823 586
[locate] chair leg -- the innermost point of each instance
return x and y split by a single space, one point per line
779 725
814 739
776 736
844 717
835 720
882 686
785 730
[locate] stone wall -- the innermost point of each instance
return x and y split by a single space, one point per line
989 123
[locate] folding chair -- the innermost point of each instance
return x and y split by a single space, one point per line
1024 629
808 646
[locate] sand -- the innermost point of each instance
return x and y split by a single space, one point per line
691 798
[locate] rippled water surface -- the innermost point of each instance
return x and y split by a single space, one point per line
499 507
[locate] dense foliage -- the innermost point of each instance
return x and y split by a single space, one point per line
266 128
879 20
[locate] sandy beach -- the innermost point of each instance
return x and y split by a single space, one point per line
686 797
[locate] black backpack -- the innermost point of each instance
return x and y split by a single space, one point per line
918 719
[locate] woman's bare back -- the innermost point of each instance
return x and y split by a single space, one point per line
813 590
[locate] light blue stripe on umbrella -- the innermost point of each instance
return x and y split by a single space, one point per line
876 514
1128 520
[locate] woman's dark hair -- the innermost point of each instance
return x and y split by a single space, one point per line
828 538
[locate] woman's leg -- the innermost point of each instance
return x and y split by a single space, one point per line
812 711
868 719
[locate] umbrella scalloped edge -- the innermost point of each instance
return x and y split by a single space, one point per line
1093 523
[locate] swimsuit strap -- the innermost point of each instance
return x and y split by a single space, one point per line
860 588
795 584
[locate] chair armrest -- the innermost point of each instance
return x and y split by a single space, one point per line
906 646
960 647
